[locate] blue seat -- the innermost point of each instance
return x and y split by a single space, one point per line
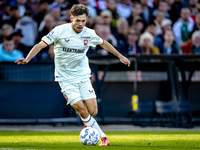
166 112
184 113
144 114
171 113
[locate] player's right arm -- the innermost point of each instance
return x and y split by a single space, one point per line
37 48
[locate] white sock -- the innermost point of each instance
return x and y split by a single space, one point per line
91 122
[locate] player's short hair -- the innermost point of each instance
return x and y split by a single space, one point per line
77 10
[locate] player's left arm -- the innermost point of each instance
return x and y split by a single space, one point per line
107 46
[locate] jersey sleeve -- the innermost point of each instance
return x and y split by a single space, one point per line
96 40
51 37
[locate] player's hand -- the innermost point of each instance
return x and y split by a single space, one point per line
21 61
125 61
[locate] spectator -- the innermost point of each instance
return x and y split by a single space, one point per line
59 3
158 20
90 22
43 8
66 14
165 25
17 38
193 9
162 6
98 4
6 30
183 27
56 13
151 3
146 11
92 10
197 26
107 20
106 16
97 28
49 24
155 4
139 24
5 8
122 28
136 11
93 50
193 45
34 4
60 22
105 34
151 28
29 29
23 7
198 6
14 15
62 5
112 6
7 51
131 45
98 20
146 43
124 8
170 3
176 10
169 46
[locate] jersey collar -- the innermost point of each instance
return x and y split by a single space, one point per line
79 34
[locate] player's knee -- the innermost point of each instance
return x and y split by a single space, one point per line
83 113
94 112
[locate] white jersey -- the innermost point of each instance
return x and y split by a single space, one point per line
70 48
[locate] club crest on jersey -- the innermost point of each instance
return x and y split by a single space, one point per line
85 42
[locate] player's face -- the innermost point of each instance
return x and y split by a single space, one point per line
78 22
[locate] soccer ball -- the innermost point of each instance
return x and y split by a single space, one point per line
89 136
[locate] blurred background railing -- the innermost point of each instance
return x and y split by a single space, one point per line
167 87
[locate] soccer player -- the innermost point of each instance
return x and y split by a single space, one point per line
71 42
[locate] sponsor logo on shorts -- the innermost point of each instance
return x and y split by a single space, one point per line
90 91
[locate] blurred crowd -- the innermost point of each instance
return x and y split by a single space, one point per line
131 26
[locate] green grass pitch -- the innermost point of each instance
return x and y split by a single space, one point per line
148 140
